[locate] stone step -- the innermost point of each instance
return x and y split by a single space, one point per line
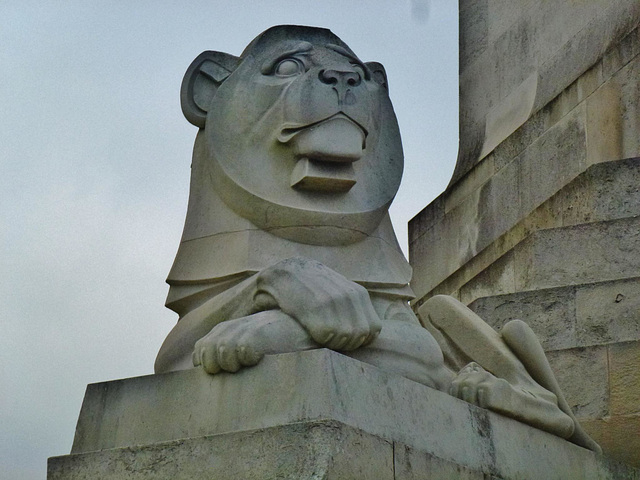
573 316
563 256
443 260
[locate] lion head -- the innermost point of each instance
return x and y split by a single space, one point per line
297 135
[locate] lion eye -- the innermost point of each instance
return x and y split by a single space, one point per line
289 67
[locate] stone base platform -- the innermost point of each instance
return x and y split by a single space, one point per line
308 415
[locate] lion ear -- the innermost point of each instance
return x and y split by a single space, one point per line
205 74
379 74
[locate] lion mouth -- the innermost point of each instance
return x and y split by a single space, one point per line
328 126
325 151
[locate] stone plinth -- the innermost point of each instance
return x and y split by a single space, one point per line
315 414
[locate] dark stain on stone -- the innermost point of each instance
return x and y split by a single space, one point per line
482 425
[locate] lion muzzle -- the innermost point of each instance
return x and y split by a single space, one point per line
325 152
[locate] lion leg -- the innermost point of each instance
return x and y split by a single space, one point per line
525 344
405 348
243 342
527 404
503 383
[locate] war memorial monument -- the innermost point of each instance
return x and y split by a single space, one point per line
304 349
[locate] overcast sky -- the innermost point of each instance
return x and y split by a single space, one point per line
95 154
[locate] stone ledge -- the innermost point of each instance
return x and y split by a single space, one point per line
312 450
605 191
319 386
325 450
579 315
570 255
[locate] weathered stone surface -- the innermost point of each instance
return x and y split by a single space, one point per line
586 253
496 206
567 262
613 111
552 161
563 317
287 244
593 119
550 313
507 45
416 465
618 437
430 215
499 278
314 409
600 381
624 363
605 191
584 377
315 450
608 312
310 385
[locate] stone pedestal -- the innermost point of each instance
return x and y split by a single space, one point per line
315 414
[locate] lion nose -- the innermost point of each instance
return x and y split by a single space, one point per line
342 81
340 78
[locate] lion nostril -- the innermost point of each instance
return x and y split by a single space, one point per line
329 77
343 78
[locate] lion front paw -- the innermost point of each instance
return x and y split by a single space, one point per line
229 346
243 342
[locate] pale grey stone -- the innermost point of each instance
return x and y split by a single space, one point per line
499 204
287 243
474 30
431 214
459 192
417 465
501 370
592 119
496 280
513 54
302 451
300 254
310 385
583 374
551 92
605 191
460 227
551 162
608 312
622 53
551 313
580 254
565 317
315 411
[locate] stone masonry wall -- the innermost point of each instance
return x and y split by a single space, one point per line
542 219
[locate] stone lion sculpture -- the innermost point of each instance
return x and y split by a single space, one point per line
288 245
